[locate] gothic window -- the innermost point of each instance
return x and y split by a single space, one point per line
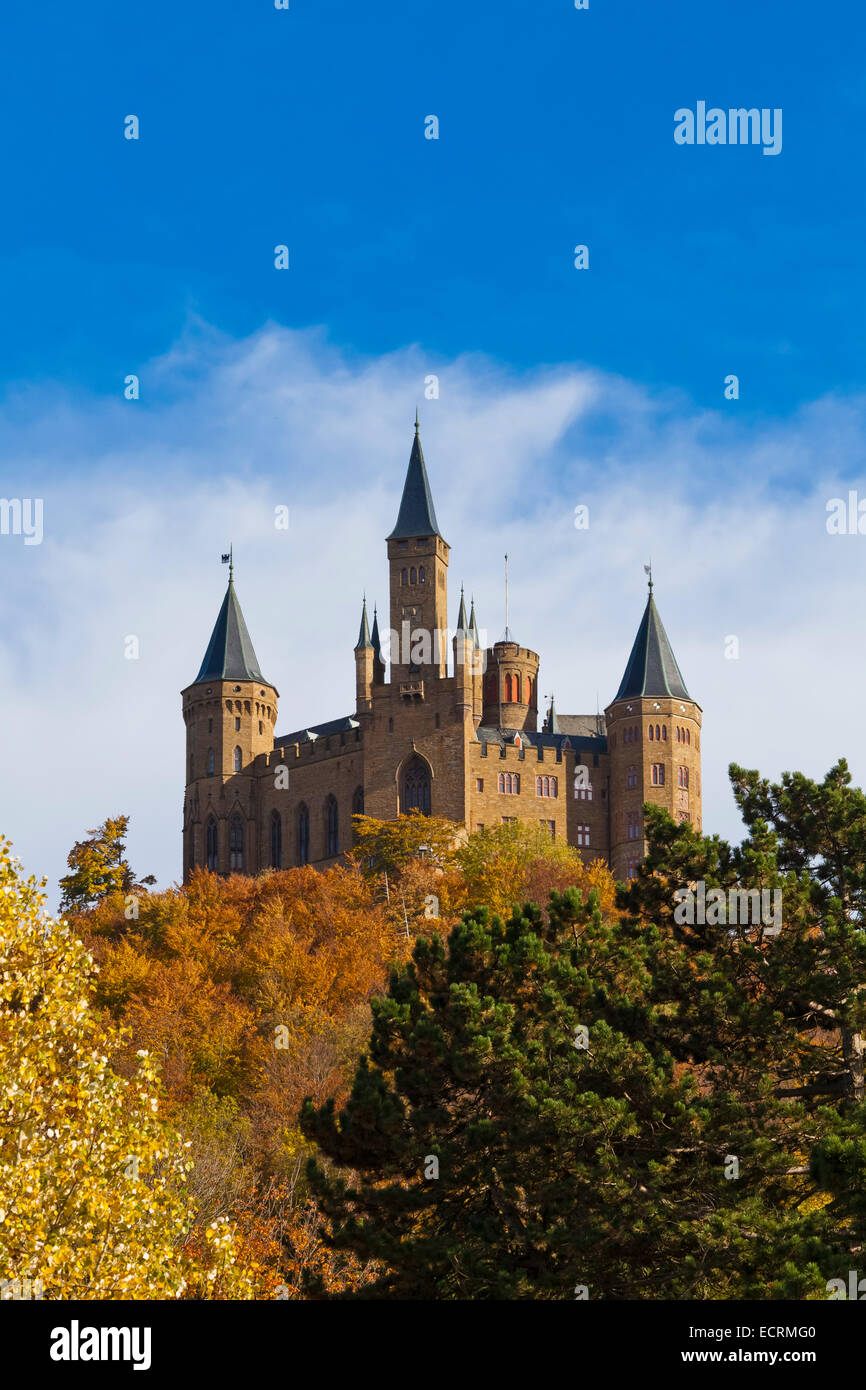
331 825
421 574
236 844
528 691
413 578
211 845
416 787
509 688
688 735
210 763
546 786
633 825
404 576
664 732
509 783
276 840
303 835
631 776
684 777
238 760
658 734
651 733
678 733
658 774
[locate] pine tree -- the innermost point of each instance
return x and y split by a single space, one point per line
511 1134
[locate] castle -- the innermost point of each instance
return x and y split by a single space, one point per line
464 745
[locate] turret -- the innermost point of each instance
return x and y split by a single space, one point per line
230 711
365 656
654 739
511 687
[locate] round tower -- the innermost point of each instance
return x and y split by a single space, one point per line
510 687
230 711
654 744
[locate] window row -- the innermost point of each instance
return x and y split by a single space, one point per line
413 576
511 689
331 835
658 733
684 735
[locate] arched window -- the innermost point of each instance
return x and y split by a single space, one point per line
303 835
509 688
651 733
684 777
658 774
236 844
211 857
678 733
420 574
664 732
210 766
413 578
528 690
415 792
404 576
238 760
331 825
688 735
658 734
276 840
357 810
509 782
631 776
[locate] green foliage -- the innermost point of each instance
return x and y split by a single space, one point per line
99 867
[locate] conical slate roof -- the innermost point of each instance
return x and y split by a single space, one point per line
230 655
417 516
462 620
364 634
652 668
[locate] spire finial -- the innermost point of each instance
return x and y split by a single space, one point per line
227 560
417 422
648 570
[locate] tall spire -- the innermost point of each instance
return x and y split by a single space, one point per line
473 626
364 634
417 515
652 668
462 620
230 655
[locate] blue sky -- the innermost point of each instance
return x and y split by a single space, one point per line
305 127
408 257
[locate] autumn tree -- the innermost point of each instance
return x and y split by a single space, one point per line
93 1199
99 866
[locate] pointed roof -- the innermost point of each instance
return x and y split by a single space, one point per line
462 620
652 667
364 635
473 626
375 638
230 655
417 516
551 723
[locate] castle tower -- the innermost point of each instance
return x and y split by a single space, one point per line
510 687
654 739
418 564
230 711
365 658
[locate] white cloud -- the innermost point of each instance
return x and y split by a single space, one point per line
141 498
